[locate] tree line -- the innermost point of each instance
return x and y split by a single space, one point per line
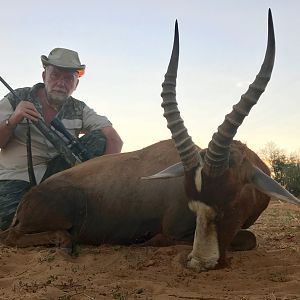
285 167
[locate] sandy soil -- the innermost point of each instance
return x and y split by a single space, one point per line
272 271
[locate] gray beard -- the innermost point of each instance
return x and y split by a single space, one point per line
57 98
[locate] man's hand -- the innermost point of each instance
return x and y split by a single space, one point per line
24 109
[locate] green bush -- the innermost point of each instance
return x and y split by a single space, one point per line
285 168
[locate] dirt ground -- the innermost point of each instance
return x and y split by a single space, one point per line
272 271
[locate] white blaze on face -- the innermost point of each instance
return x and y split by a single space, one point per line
198 178
205 253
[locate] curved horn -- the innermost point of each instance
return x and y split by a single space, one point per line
186 148
217 156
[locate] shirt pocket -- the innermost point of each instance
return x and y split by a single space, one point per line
73 126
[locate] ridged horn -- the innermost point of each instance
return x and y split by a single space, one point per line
184 144
217 155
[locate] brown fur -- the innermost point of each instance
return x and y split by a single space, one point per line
237 203
105 201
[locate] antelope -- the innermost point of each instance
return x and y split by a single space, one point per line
227 184
108 199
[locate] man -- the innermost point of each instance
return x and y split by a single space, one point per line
44 101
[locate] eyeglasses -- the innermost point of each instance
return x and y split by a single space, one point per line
68 77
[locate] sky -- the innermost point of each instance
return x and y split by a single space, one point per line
126 47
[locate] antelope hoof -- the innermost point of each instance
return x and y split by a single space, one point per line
243 241
72 251
199 265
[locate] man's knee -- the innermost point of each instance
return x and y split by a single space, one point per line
11 193
94 142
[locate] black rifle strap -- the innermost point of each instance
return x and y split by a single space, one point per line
14 102
31 175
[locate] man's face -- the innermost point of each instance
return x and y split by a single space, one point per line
59 83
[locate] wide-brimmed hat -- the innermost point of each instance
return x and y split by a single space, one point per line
63 58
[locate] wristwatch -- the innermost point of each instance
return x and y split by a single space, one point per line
7 123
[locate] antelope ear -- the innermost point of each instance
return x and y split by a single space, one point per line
176 170
272 188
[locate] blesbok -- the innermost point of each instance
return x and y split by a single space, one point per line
227 184
104 200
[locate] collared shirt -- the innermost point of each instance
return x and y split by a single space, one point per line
75 115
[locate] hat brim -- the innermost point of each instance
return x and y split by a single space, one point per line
46 62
